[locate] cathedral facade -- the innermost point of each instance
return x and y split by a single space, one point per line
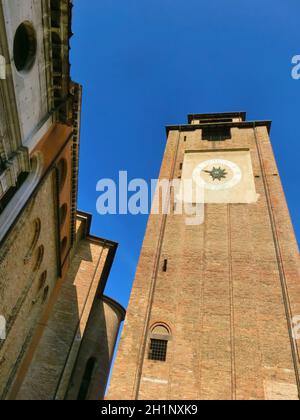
214 304
60 330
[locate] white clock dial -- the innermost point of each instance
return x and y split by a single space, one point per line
217 174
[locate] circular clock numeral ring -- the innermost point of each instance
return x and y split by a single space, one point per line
232 182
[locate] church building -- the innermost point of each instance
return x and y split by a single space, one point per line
60 330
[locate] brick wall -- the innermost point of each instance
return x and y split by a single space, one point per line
49 373
22 300
230 291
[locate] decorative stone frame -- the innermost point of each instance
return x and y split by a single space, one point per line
37 233
16 204
157 336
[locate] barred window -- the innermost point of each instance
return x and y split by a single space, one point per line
216 133
36 235
158 350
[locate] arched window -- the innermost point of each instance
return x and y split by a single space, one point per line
56 46
159 338
55 13
63 214
45 294
42 280
37 231
64 244
86 380
39 258
55 5
62 169
36 235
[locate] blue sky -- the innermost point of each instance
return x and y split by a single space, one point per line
145 64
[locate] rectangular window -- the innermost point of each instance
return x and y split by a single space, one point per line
158 350
215 120
216 133
165 266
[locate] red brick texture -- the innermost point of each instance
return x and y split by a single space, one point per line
229 294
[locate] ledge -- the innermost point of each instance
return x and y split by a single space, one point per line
240 114
241 124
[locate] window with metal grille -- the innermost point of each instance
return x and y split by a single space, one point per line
216 133
158 350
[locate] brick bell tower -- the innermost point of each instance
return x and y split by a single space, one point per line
213 306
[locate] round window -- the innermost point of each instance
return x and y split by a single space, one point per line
25 47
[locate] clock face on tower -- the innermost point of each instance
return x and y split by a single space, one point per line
224 176
217 174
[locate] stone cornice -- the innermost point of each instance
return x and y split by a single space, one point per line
241 124
240 114
76 119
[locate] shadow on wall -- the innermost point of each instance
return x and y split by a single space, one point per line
90 376
61 331
74 355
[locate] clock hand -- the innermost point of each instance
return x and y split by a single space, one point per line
217 173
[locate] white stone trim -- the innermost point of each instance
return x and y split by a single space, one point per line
32 141
2 68
21 197
155 380
235 179
3 184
